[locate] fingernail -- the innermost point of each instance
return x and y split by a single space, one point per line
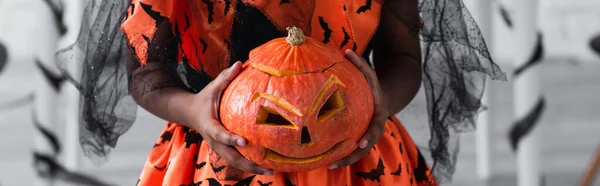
274 171
363 144
240 142
333 166
268 173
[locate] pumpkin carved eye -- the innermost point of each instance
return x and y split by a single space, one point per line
333 105
268 116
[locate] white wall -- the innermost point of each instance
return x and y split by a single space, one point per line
567 27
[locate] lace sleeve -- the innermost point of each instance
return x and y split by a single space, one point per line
455 65
106 109
111 72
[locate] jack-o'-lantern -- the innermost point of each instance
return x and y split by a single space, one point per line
299 103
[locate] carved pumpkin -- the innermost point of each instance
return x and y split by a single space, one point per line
299 103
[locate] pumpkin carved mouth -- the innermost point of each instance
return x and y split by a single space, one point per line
279 158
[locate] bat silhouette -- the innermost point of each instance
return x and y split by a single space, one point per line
244 182
397 173
421 171
187 21
193 184
401 151
326 29
192 137
374 174
213 182
264 184
365 7
210 6
3 56
346 38
160 168
227 5
153 14
199 166
217 169
47 167
58 11
166 136
204 45
54 80
50 136
132 6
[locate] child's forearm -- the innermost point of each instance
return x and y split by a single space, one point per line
400 82
160 95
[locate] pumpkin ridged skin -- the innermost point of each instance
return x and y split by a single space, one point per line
313 65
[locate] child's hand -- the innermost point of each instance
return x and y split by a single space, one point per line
380 114
207 123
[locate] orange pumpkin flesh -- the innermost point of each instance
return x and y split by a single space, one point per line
299 104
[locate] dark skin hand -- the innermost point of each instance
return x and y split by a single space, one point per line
160 94
394 83
396 78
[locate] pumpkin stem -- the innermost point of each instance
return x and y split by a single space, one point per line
295 36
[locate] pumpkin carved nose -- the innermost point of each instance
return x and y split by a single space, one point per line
305 136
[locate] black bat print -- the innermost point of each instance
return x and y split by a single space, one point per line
160 168
187 22
217 169
204 45
210 6
227 5
326 30
421 171
264 184
346 38
401 151
244 182
199 166
399 171
374 174
192 137
192 184
153 14
213 182
365 7
166 136
132 6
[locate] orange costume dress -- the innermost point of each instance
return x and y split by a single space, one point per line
192 41
211 33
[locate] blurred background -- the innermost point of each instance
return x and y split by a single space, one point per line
569 80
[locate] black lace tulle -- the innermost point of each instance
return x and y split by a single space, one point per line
107 110
456 63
